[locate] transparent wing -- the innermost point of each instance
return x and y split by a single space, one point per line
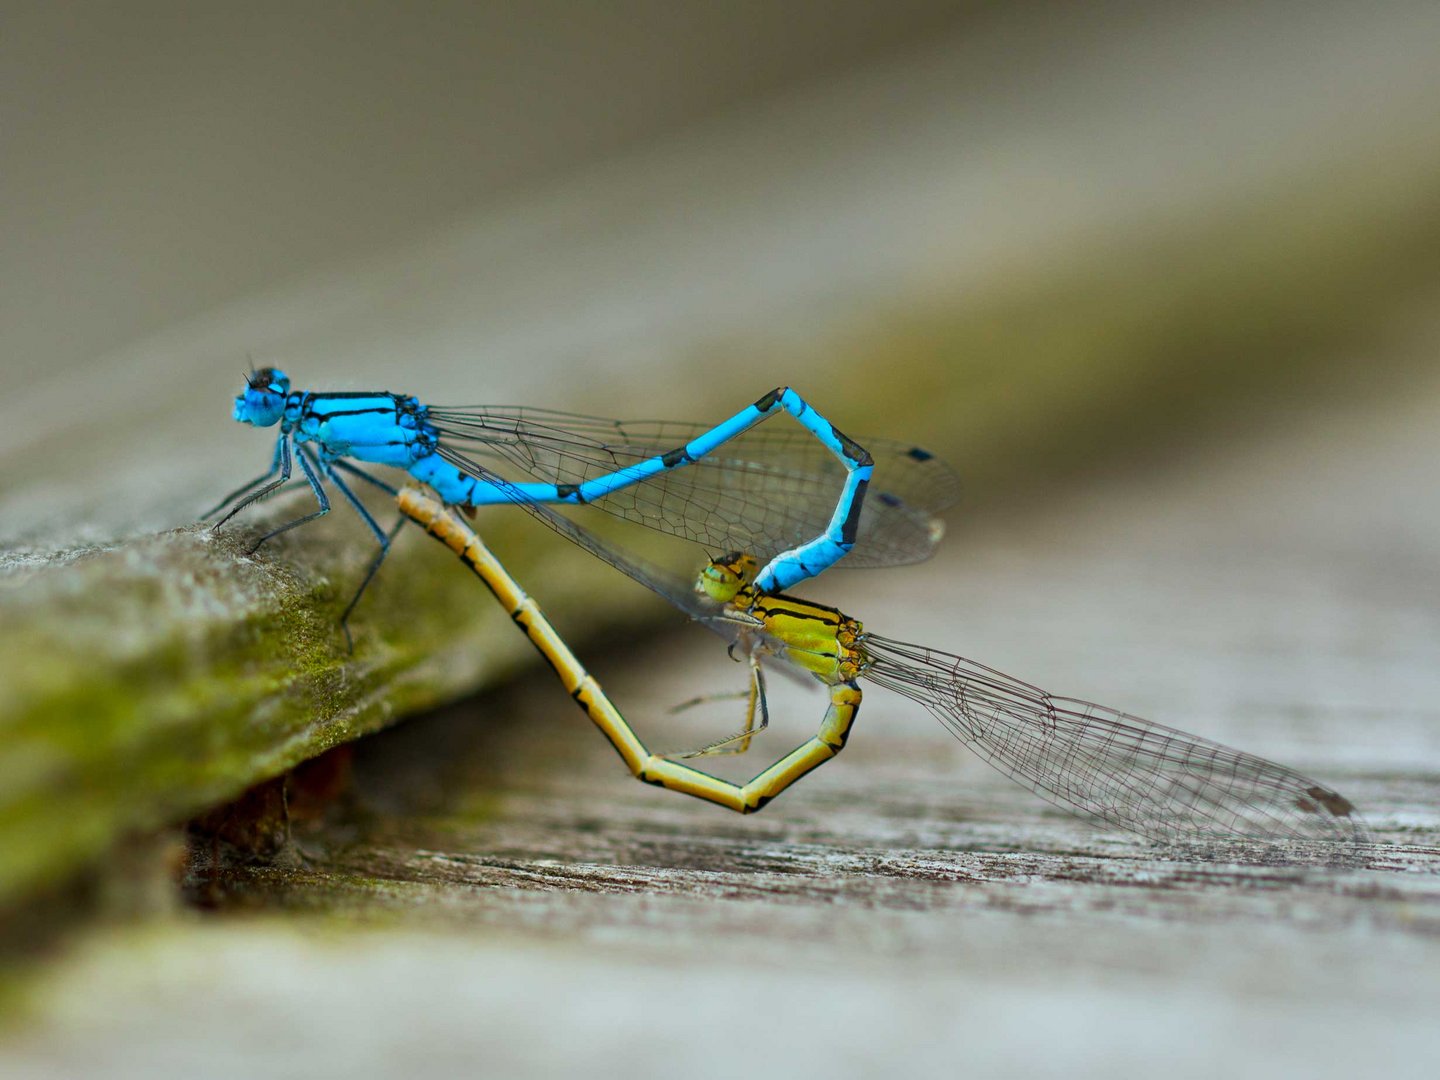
733 627
765 492
1153 780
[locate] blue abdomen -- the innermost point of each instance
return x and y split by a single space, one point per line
452 485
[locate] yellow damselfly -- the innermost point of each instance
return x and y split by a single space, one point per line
1159 782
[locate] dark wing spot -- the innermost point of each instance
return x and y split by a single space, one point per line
919 454
1337 804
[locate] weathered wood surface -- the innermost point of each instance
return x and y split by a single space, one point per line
498 896
148 675
148 680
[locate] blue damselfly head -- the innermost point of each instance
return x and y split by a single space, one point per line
263 401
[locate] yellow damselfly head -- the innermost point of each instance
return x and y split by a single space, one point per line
726 576
262 403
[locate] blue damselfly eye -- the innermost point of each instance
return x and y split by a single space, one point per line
272 380
263 402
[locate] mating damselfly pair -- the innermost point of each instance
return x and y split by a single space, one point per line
768 505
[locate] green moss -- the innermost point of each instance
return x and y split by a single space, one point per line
110 728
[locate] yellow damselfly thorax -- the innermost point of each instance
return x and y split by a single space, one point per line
820 639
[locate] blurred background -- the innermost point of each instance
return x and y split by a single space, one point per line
1045 239
1158 278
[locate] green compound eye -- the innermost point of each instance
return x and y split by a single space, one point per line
719 581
